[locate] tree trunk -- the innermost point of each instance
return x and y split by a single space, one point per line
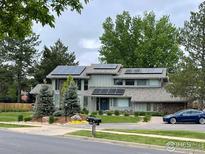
18 88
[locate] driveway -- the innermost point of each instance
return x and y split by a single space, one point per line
14 143
156 123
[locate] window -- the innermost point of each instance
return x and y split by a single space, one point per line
85 84
148 107
154 83
129 82
57 84
118 82
121 103
142 82
85 103
78 83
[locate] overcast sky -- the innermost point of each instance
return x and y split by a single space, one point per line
81 31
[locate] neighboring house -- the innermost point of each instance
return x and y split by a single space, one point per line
112 87
36 90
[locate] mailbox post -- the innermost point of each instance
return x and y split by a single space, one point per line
94 122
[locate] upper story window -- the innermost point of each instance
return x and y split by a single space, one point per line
118 82
78 83
85 84
129 82
142 82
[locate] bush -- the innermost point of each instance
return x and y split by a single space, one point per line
126 114
109 113
136 114
146 118
100 112
94 113
117 113
51 119
27 119
150 113
58 113
85 111
20 118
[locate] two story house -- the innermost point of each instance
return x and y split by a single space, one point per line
112 87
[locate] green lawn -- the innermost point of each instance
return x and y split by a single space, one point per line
12 126
118 119
142 140
177 133
12 116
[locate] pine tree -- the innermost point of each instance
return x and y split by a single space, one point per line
71 101
44 105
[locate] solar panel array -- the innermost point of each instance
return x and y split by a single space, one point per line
144 71
105 66
109 91
68 70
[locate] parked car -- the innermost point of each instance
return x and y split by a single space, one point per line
189 115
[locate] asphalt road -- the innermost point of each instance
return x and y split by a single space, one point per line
16 143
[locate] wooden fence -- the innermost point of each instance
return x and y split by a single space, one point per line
15 107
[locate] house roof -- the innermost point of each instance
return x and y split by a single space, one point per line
144 73
112 69
142 95
37 88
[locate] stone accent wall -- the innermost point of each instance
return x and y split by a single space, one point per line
169 108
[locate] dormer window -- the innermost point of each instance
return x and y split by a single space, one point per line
118 82
129 82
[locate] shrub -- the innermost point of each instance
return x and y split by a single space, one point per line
117 113
51 119
100 112
94 113
58 113
136 114
20 117
126 114
146 118
85 111
109 113
27 119
150 113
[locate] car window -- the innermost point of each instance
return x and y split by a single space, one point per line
196 112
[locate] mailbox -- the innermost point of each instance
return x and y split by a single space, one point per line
93 120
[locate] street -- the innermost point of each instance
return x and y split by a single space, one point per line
18 143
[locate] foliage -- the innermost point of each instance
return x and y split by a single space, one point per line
126 114
19 53
56 55
94 113
148 113
20 117
71 101
27 119
44 105
109 113
51 119
117 113
100 112
146 118
17 16
58 113
189 79
140 41
85 111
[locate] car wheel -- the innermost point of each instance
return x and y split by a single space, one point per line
202 120
172 121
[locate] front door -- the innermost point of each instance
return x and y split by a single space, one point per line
104 103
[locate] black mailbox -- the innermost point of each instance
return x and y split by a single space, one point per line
93 120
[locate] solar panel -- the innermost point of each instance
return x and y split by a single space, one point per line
144 71
109 91
105 66
68 70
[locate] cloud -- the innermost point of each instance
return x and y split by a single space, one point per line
89 44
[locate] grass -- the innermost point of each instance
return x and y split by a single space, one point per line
176 133
2 125
12 116
118 119
142 140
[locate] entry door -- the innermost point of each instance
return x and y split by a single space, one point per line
104 103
